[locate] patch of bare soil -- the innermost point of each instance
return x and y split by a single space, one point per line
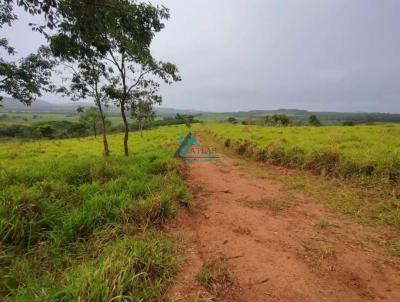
276 246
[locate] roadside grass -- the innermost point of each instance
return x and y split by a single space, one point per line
319 248
371 201
76 226
215 276
323 224
367 154
396 248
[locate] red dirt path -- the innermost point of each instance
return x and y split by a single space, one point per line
276 253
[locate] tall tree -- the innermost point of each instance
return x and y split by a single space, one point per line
314 121
282 119
120 32
88 81
91 117
185 119
142 111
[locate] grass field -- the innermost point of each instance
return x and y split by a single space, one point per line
364 161
25 118
359 152
75 226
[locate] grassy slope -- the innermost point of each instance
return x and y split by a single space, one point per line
77 226
360 152
24 118
372 199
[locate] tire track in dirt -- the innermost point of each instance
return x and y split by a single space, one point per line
273 245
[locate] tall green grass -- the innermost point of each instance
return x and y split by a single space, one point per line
76 226
359 152
365 158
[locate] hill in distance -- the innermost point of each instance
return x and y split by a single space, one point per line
40 106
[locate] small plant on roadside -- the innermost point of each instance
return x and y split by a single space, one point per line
323 224
396 248
319 248
215 276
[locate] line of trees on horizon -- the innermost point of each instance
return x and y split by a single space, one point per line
284 120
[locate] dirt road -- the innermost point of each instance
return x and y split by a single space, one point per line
250 240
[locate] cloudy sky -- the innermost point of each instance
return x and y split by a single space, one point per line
341 55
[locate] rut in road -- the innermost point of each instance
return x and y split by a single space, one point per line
275 245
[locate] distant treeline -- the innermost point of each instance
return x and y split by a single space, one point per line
303 116
345 119
67 129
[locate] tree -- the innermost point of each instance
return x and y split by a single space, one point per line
87 82
232 120
249 119
282 119
49 8
120 33
25 79
185 119
91 118
143 113
267 120
77 129
313 120
45 131
132 81
79 109
348 123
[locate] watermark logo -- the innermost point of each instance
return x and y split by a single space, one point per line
191 150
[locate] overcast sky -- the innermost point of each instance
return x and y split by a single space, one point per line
341 55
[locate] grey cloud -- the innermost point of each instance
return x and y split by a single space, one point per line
262 54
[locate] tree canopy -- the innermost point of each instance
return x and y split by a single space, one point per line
314 121
28 77
118 35
105 42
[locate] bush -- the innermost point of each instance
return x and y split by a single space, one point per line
314 121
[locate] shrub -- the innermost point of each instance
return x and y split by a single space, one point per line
324 162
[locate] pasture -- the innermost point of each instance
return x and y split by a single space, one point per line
76 226
358 152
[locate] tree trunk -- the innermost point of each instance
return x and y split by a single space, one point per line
126 136
103 122
141 129
95 130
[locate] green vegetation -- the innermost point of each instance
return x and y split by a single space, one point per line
280 119
51 129
188 120
215 276
77 226
314 120
24 125
358 152
368 199
323 224
319 248
299 117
